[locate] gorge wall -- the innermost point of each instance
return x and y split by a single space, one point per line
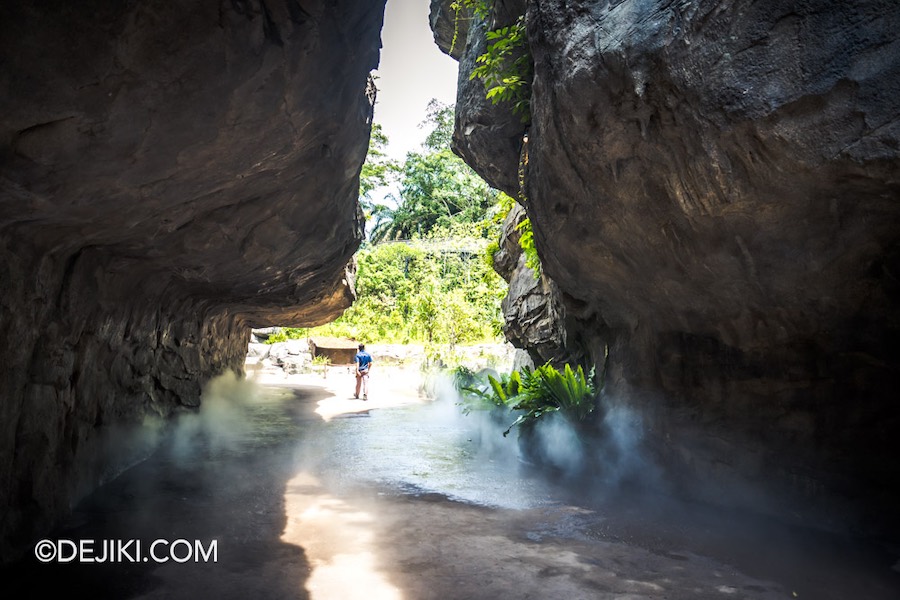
713 188
171 174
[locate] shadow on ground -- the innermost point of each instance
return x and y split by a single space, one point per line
195 487
311 495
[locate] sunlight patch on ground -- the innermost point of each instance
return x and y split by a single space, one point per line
338 541
388 387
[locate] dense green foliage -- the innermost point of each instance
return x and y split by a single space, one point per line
546 390
437 189
422 276
531 394
431 289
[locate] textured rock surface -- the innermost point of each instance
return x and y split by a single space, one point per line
533 314
450 27
488 136
171 173
713 186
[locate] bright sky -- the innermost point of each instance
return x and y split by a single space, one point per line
412 71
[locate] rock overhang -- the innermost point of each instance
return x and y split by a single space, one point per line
171 173
215 148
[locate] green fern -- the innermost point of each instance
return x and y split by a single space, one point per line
546 390
487 392
534 393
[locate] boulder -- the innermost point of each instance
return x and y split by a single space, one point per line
258 351
171 175
714 192
533 312
261 334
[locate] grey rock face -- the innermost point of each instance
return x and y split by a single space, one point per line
171 174
714 191
506 259
534 318
450 26
487 136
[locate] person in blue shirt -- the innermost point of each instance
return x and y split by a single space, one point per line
363 364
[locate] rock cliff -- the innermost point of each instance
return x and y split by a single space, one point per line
171 174
713 187
533 311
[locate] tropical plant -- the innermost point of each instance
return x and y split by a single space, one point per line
546 390
526 242
506 69
486 392
437 189
534 392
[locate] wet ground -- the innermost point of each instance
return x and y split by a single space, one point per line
309 493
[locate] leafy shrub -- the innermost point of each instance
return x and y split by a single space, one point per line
526 242
546 390
535 393
286 333
484 391
505 67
